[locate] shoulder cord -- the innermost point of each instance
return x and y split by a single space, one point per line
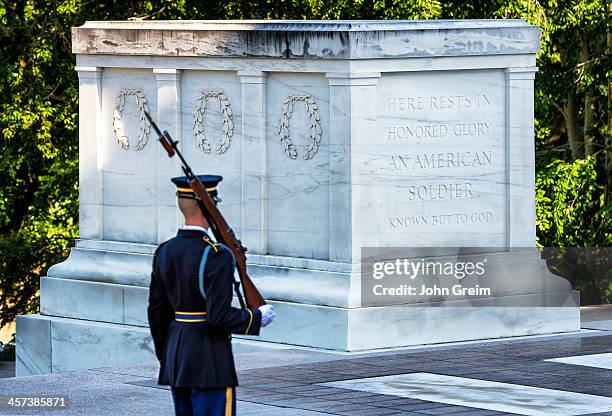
203 267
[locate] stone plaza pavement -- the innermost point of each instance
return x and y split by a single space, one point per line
447 379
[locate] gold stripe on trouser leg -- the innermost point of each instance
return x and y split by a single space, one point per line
228 401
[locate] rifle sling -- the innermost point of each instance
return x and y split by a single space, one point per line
240 298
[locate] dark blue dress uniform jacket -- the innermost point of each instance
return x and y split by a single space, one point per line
195 354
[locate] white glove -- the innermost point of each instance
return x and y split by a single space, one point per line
267 314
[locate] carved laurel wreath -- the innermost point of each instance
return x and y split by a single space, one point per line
315 126
145 126
228 124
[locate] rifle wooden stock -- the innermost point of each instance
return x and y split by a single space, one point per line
222 231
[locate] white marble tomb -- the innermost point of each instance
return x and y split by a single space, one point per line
330 136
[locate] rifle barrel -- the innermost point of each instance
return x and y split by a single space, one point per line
221 230
157 130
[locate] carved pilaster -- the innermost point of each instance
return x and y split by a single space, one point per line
168 118
254 194
520 163
90 189
353 120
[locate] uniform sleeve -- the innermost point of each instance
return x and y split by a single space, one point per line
160 311
219 292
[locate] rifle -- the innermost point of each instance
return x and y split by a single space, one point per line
221 230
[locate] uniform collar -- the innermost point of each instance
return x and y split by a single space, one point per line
191 231
194 227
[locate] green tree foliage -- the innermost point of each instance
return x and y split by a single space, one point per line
574 125
7 351
566 195
38 155
38 119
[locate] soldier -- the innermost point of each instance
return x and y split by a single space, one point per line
190 313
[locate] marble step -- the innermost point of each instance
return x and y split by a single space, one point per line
51 343
47 344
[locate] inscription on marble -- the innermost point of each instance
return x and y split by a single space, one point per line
439 102
442 160
442 146
440 191
421 131
442 219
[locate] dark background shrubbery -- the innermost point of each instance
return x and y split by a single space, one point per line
39 92
7 351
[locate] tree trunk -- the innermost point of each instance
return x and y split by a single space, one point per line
570 112
589 104
571 124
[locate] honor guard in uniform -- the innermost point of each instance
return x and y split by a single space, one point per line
190 313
